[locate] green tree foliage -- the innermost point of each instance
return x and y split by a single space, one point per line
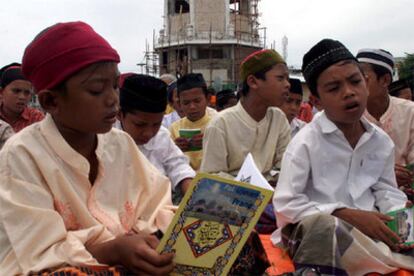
406 68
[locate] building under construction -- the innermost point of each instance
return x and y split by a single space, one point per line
211 37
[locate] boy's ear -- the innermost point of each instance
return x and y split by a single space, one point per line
386 80
48 100
120 115
252 82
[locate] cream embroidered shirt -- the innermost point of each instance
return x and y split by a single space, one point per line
398 123
50 210
234 133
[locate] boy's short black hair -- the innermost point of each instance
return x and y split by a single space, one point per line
190 81
379 71
258 75
295 86
143 93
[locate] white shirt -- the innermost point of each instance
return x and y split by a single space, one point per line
296 125
162 152
170 118
321 173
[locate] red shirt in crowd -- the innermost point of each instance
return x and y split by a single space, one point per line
28 117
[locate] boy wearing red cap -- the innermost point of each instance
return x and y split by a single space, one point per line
74 191
16 92
254 125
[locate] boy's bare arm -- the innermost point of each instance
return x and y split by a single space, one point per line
371 224
136 252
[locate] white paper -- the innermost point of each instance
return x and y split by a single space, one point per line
250 173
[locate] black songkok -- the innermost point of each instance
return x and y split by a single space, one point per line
143 93
190 81
223 96
11 73
295 86
324 54
398 85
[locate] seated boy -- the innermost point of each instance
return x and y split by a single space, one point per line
291 106
143 100
395 116
74 191
192 93
253 125
173 101
337 179
16 93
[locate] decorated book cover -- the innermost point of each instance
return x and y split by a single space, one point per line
402 224
213 222
190 133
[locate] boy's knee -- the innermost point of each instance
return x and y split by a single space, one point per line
318 221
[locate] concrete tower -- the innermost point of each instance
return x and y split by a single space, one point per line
211 37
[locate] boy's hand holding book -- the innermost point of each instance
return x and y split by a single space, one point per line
371 224
183 143
404 175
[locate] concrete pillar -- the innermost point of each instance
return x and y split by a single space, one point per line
192 15
166 17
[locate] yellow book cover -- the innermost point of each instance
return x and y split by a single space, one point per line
213 221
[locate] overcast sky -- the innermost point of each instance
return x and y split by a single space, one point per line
127 24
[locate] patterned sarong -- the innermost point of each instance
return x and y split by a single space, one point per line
334 247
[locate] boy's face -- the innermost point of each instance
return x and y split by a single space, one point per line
90 101
342 92
142 126
291 106
405 94
275 88
193 103
376 86
176 103
16 95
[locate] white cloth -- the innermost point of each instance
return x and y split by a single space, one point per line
296 125
233 133
6 131
49 209
162 152
170 118
321 173
398 123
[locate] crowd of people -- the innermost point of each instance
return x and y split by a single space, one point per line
91 182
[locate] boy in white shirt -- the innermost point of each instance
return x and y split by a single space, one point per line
337 178
291 106
143 100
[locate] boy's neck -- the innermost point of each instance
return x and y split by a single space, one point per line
11 116
352 132
254 107
377 105
84 143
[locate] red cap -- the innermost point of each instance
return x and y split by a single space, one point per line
62 50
